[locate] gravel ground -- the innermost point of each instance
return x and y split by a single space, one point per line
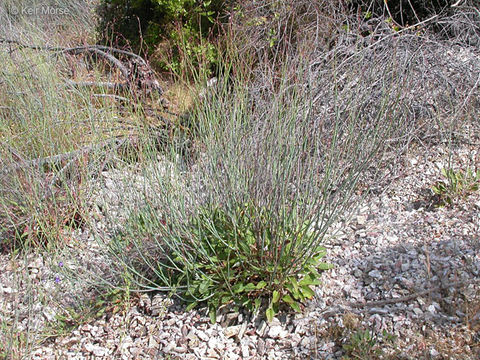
405 286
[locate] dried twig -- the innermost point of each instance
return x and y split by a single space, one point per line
371 306
54 159
113 96
76 49
100 84
106 53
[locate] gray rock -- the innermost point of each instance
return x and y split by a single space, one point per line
262 328
276 332
261 349
232 331
375 274
417 311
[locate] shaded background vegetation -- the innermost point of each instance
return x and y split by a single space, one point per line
165 28
170 31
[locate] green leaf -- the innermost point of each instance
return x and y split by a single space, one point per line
320 251
213 315
314 274
204 285
270 313
226 299
238 288
296 294
191 306
309 280
307 292
261 285
275 296
246 302
325 266
294 282
288 299
250 287
295 307
258 302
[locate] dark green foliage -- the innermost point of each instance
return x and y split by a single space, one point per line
184 25
224 257
233 267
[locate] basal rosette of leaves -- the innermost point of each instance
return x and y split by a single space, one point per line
237 265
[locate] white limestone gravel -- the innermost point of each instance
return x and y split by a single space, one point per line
402 268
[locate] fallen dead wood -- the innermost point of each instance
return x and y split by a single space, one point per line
76 49
373 306
455 284
56 159
99 84
137 72
112 96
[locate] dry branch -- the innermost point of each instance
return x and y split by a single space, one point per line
100 84
76 49
139 74
55 159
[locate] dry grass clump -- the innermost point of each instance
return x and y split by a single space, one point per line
361 55
53 134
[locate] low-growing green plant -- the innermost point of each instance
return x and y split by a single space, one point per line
364 344
241 270
457 184
226 257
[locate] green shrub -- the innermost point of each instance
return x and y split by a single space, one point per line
240 266
223 256
180 28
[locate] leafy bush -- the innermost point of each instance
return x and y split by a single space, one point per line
239 266
227 257
179 28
